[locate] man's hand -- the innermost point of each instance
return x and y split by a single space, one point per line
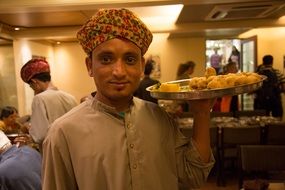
203 105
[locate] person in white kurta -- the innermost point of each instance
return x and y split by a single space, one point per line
115 141
49 103
47 106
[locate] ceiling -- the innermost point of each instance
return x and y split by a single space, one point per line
58 20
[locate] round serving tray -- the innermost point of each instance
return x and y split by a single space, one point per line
202 94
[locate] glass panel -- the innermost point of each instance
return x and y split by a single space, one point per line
248 65
248 56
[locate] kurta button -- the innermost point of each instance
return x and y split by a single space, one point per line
132 145
128 126
134 166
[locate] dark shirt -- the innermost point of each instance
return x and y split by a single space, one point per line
142 93
268 97
20 169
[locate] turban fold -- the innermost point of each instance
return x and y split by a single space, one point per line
34 67
108 24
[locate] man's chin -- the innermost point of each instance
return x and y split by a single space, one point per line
120 96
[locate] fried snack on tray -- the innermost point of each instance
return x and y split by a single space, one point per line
213 81
166 87
223 81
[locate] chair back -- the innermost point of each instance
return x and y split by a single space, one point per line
275 133
241 135
259 159
262 157
250 113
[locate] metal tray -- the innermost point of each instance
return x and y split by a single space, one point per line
202 94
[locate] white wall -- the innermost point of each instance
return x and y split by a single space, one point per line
172 52
8 90
71 74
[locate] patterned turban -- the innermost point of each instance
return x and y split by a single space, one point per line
108 24
33 67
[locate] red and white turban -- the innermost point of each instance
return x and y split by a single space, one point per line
33 67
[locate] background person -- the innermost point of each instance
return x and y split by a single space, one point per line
268 97
117 141
216 60
230 103
49 103
235 56
20 167
185 70
8 121
147 81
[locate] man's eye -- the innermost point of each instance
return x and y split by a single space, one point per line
131 60
106 59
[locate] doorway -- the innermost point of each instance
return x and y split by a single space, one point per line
246 60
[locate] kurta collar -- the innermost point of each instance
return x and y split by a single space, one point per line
98 105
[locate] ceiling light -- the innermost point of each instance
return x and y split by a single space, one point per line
158 16
281 19
57 43
16 28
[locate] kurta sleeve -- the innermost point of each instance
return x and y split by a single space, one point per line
57 166
39 120
192 171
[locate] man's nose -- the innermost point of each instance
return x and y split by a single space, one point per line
119 68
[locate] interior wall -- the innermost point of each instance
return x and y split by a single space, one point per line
8 90
70 72
269 41
172 52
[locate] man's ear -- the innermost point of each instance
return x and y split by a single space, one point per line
88 63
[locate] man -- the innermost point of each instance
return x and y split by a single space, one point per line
116 141
147 81
20 167
49 103
215 60
268 97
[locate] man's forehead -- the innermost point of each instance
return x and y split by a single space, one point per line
117 46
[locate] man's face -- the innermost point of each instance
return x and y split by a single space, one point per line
11 119
37 86
116 67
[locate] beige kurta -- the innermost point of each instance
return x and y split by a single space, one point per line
47 106
94 148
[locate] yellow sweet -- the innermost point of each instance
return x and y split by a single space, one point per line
167 87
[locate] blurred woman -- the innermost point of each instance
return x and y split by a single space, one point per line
185 70
8 121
